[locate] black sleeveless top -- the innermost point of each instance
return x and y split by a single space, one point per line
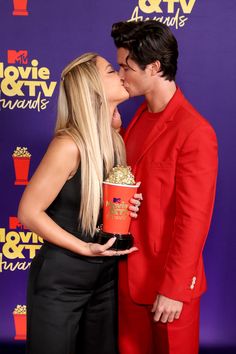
64 210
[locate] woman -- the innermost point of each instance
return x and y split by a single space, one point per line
71 291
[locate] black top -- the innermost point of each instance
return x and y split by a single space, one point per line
64 210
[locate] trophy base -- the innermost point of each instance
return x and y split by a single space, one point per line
123 241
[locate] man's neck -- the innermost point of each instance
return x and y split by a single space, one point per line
160 95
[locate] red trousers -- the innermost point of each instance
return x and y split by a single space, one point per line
139 334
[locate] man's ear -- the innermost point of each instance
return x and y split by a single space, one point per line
155 67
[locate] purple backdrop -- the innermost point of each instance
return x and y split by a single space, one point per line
54 33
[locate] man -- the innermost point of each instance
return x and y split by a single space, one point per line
172 150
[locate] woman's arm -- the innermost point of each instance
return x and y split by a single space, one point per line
58 164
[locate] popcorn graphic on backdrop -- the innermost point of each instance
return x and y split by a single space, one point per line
19 315
20 310
20 8
21 159
21 152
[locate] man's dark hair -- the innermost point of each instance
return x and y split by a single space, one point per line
147 42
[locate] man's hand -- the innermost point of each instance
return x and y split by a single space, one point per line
166 310
135 203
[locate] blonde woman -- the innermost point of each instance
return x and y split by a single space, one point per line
71 291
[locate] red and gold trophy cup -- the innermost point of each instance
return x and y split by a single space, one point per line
21 159
19 315
118 189
20 8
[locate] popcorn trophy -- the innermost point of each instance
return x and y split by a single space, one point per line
21 159
118 188
20 8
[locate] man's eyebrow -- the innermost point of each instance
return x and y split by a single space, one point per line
108 66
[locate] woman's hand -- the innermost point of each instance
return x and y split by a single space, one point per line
96 250
135 203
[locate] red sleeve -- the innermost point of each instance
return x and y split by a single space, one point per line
122 131
195 192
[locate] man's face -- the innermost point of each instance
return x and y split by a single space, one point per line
136 81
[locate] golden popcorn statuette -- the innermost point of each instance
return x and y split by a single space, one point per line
121 175
118 189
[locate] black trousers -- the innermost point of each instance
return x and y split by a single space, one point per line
71 304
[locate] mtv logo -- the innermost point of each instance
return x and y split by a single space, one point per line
20 57
14 223
116 200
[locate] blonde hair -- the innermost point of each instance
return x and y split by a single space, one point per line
84 115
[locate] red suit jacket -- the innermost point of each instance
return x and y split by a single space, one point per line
178 169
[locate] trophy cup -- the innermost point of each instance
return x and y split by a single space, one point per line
118 188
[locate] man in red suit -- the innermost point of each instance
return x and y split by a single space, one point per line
172 150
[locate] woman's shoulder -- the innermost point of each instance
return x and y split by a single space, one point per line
63 152
64 144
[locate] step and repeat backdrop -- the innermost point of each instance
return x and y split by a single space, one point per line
38 38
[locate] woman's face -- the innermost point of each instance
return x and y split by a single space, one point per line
113 85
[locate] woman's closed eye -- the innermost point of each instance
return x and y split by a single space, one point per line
110 69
